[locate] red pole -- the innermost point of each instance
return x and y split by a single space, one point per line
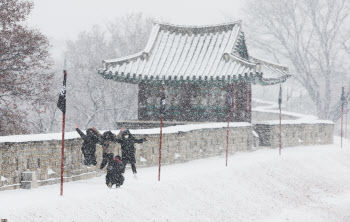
341 133
62 160
247 98
160 138
228 131
160 146
234 97
63 127
346 123
280 130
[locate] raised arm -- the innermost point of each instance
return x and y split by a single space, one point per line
118 138
140 140
82 135
97 132
99 136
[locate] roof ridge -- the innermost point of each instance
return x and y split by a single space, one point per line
170 25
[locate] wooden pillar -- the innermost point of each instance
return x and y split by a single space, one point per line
185 102
248 102
142 101
234 96
240 102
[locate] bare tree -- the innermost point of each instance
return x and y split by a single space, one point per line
24 62
307 34
92 100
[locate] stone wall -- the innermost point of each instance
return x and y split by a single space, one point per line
295 134
30 164
266 116
42 159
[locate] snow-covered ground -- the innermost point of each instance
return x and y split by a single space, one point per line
304 184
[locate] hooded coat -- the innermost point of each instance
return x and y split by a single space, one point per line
106 139
128 146
89 146
115 169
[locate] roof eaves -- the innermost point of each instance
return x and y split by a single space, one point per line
268 63
242 61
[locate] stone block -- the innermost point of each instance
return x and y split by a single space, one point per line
29 180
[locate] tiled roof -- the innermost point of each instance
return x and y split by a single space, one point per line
191 53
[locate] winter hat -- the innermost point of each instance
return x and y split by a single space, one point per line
89 131
108 134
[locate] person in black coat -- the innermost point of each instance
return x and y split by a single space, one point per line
89 146
105 140
127 142
115 169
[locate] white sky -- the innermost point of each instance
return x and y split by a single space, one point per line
64 19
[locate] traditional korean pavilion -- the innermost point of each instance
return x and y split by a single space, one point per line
204 70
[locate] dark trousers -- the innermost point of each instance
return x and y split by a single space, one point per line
114 178
133 167
105 158
89 158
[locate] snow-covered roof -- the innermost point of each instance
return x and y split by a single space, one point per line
193 53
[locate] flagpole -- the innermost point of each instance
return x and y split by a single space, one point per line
287 98
280 106
160 136
280 130
228 123
346 123
63 129
342 112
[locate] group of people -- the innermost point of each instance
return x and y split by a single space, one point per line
116 164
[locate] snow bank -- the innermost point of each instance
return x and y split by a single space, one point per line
303 184
74 134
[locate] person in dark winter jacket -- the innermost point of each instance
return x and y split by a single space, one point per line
115 169
108 149
89 146
127 142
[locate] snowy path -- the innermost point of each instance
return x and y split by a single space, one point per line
304 184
